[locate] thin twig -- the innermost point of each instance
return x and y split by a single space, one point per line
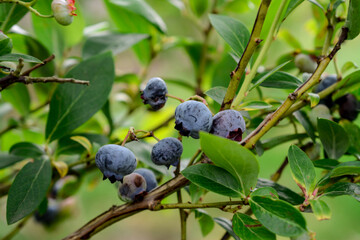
46 61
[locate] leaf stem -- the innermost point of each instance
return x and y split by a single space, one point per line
28 6
269 39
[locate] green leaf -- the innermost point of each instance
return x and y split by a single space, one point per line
72 105
26 150
327 164
266 75
213 178
289 38
7 160
227 225
343 188
353 131
353 20
198 7
17 12
305 122
278 216
5 45
316 3
348 65
114 42
333 137
253 105
250 229
346 168
205 220
28 189
314 99
107 112
232 31
347 84
281 80
144 10
69 147
302 169
291 7
14 57
320 209
234 158
217 94
265 192
195 192
284 193
273 142
19 97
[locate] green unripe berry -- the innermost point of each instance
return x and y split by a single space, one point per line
63 11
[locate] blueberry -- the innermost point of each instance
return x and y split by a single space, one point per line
149 178
305 63
133 185
228 124
192 117
167 152
348 107
154 93
50 216
115 162
325 83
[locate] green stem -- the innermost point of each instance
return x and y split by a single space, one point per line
28 6
254 41
197 205
269 39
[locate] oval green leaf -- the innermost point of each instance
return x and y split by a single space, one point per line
234 158
320 209
28 189
343 188
346 168
72 105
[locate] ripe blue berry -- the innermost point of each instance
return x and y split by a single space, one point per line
154 93
50 216
192 117
348 107
167 152
115 162
149 176
325 83
228 124
133 185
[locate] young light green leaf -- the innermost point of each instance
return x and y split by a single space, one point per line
232 31
257 81
234 158
281 80
14 57
291 7
217 94
72 105
343 188
144 10
250 229
198 7
348 65
70 147
314 99
353 20
83 141
28 189
227 225
114 42
320 209
214 179
284 193
205 221
305 122
346 168
253 105
278 216
302 169
333 137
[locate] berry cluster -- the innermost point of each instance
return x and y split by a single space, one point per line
117 163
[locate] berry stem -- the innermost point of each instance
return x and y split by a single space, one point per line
193 158
174 97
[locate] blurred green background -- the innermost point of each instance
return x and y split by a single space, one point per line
96 196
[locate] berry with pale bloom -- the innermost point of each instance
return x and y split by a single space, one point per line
63 11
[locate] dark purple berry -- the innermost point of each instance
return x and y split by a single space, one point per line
348 107
133 185
192 117
325 83
149 176
115 162
228 124
154 93
167 152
